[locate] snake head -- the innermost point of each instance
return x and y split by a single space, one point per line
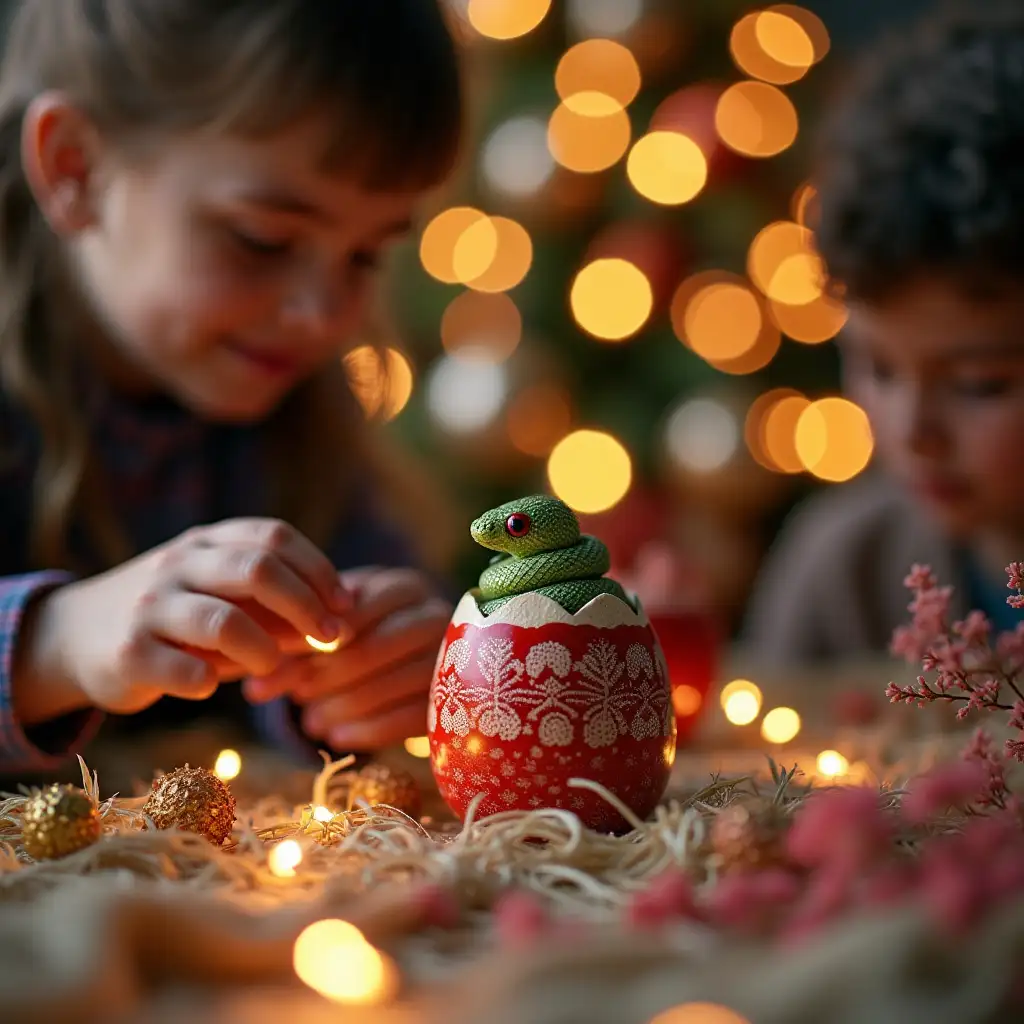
527 526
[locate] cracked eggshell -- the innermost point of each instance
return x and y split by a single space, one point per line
531 697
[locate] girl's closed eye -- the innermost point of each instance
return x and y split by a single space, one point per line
260 244
983 387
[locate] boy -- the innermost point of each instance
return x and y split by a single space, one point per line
922 229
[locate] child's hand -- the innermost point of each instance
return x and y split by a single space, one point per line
373 690
217 603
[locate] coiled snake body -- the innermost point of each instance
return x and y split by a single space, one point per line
541 550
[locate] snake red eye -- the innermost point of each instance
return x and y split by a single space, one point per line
518 524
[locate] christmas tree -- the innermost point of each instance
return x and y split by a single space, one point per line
618 298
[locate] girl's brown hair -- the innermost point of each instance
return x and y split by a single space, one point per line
387 72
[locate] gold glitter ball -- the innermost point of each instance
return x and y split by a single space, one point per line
194 800
378 784
58 821
747 837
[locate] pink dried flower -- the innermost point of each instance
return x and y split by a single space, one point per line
439 906
953 890
950 785
1015 581
752 901
842 827
975 629
921 577
1017 715
1010 648
890 885
980 749
666 898
520 919
1015 749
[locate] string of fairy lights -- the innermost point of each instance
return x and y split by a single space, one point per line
734 322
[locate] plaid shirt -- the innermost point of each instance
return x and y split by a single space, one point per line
166 470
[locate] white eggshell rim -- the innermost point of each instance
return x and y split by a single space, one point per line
532 610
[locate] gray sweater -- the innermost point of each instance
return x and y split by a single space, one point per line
832 586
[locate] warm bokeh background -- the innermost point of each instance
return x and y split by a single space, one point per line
618 297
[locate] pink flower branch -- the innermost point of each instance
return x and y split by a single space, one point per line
969 668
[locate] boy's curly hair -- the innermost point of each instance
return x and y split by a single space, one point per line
922 168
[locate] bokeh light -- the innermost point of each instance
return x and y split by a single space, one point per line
603 17
813 323
511 254
686 700
382 385
227 765
506 19
418 746
784 39
772 47
784 264
515 160
475 250
812 25
611 299
756 119
440 238
702 435
734 337
722 321
589 143
466 392
804 205
699 1013
333 958
741 701
590 471
770 429
538 418
488 324
832 764
833 439
780 725
284 858
597 66
668 168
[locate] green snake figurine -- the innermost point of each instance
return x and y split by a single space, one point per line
541 550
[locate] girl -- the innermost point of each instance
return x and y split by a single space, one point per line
194 197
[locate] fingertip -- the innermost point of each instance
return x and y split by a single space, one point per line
342 599
261 690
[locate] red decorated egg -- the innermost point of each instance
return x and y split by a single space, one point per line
530 697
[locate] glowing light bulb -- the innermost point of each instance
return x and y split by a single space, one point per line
699 1013
321 813
832 764
686 701
780 725
741 701
328 647
590 471
612 299
668 168
702 435
418 746
228 765
333 958
285 858
466 391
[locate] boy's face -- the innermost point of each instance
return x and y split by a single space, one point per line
225 270
942 380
